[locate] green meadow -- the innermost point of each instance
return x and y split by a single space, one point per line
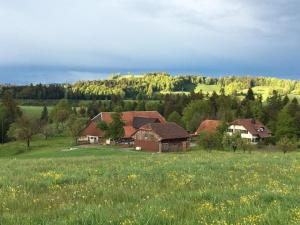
55 184
34 111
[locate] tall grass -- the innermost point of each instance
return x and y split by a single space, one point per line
112 186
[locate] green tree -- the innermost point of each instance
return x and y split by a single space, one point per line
9 112
93 109
176 118
75 126
286 125
256 108
4 124
233 142
24 129
140 106
271 110
150 91
82 111
210 141
48 130
195 112
250 95
286 144
11 107
61 113
44 114
115 129
152 106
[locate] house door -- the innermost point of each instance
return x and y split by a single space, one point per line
165 147
93 140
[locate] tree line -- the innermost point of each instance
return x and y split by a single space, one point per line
150 86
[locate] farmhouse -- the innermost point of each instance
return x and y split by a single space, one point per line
133 120
252 130
209 126
161 137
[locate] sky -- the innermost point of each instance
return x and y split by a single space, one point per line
66 40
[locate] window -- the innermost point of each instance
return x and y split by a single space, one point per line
261 129
230 130
243 131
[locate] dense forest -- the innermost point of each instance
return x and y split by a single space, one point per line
153 86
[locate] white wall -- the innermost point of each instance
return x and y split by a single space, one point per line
238 128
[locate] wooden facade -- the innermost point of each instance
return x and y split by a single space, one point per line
149 140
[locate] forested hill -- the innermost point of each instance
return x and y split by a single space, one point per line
152 85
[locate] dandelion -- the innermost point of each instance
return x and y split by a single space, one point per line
252 219
132 177
127 222
248 199
296 214
164 213
52 174
206 207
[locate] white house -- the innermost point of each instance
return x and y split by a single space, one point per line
252 130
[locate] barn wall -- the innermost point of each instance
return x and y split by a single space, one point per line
147 140
147 145
175 145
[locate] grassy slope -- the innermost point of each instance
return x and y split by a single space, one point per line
112 186
34 111
207 88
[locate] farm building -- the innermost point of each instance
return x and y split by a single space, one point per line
252 130
161 137
133 121
209 126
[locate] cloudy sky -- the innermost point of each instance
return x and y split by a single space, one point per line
65 40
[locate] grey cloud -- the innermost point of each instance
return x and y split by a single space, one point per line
187 34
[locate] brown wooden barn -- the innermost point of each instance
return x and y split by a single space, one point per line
161 137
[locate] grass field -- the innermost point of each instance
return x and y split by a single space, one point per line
107 185
34 111
207 88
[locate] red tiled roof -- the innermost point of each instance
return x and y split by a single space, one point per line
92 130
128 118
209 126
166 131
128 131
255 127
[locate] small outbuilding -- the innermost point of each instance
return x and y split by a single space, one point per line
161 137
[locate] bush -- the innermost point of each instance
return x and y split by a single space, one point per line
286 144
210 141
269 141
235 142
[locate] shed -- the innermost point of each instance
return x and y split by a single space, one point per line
162 137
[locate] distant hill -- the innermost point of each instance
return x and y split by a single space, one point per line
162 83
152 85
